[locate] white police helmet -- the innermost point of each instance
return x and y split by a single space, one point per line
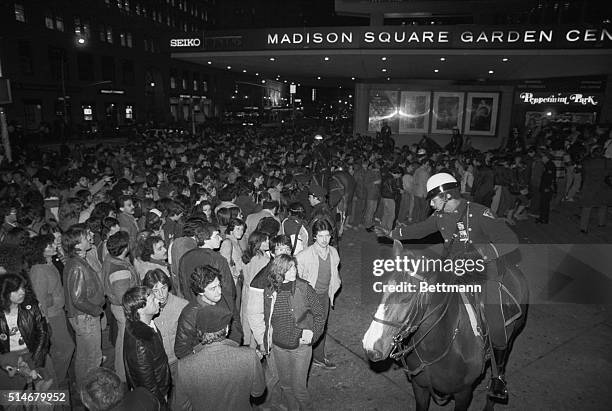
440 183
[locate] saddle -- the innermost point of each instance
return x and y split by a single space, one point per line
474 306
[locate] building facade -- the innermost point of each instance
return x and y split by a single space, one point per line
101 64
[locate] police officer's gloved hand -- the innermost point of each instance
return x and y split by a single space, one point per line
487 252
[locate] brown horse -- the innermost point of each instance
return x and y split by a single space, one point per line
433 336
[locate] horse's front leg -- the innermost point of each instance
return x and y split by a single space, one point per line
422 397
463 399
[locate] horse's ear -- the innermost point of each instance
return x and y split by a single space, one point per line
398 248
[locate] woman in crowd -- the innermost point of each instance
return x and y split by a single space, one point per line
232 251
24 339
255 257
296 320
47 286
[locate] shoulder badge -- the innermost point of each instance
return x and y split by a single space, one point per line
488 213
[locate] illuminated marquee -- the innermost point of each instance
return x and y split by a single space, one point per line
399 37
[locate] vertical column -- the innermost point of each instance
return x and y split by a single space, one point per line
606 104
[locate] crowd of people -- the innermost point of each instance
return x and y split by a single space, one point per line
213 260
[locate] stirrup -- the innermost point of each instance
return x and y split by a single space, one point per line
498 390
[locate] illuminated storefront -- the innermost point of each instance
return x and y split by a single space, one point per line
420 79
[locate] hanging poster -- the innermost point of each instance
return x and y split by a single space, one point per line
482 113
414 112
383 108
447 112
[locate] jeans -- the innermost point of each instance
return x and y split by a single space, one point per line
388 213
119 315
292 366
88 344
368 215
560 194
357 212
318 347
545 199
574 182
405 208
585 215
62 346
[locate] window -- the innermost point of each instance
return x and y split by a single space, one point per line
127 72
102 32
195 82
184 80
85 63
173 79
109 35
108 68
81 28
129 40
49 23
87 112
25 57
19 13
55 64
59 23
129 112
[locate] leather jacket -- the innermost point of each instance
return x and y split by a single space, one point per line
33 328
84 291
146 362
187 334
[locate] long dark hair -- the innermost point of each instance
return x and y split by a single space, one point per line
35 248
10 283
278 268
254 244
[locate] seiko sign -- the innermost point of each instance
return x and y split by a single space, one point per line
185 43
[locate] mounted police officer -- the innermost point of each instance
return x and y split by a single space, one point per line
470 229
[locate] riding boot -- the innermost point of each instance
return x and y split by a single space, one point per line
497 388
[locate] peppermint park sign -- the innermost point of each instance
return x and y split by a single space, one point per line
403 37
535 99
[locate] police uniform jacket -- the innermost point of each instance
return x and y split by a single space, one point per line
477 230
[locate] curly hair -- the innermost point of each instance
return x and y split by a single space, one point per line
102 390
17 236
233 223
11 258
35 248
202 276
278 268
153 222
146 247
